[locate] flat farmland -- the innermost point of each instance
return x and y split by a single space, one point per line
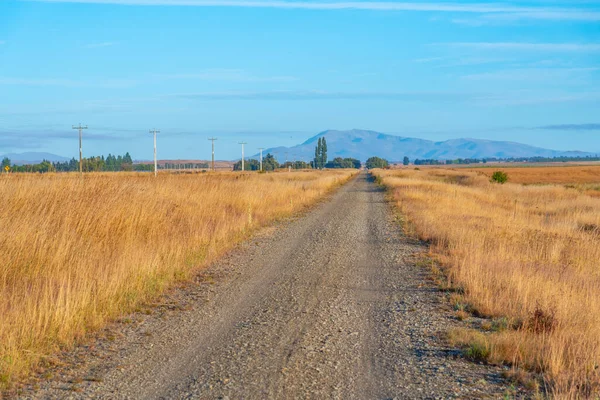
567 174
76 253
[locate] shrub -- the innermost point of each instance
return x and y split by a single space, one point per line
376 162
499 177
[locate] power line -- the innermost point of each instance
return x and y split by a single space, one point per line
154 131
80 128
212 139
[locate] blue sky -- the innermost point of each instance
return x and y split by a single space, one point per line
277 72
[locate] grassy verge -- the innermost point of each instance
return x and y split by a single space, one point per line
77 253
525 257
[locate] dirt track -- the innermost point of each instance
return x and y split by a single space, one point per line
330 305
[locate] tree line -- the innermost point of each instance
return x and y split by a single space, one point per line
466 161
89 164
319 162
269 164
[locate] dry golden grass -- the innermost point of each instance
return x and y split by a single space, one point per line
530 254
75 254
576 174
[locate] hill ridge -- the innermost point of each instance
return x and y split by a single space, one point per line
364 143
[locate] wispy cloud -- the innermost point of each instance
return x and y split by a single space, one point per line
429 59
527 98
473 22
520 46
533 74
468 61
97 45
503 18
227 75
460 61
232 75
572 127
105 83
548 14
508 98
4 80
36 138
327 95
509 11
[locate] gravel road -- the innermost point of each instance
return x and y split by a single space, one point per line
328 305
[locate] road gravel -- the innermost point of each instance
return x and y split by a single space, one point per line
331 304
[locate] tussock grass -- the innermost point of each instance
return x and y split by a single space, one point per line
528 257
74 254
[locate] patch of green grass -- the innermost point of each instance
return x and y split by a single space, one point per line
478 350
475 344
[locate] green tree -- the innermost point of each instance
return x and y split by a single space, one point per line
143 167
299 165
45 166
340 162
320 154
406 161
270 163
127 163
249 165
323 153
5 163
317 161
111 163
376 162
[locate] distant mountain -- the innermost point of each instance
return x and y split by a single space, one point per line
33 158
362 144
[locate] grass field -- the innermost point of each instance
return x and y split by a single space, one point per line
77 253
568 174
525 257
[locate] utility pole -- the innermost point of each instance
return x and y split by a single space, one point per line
212 139
154 131
242 143
261 149
80 128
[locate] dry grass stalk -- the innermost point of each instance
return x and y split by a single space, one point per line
528 253
74 254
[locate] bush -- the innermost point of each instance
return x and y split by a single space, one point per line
499 177
376 162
